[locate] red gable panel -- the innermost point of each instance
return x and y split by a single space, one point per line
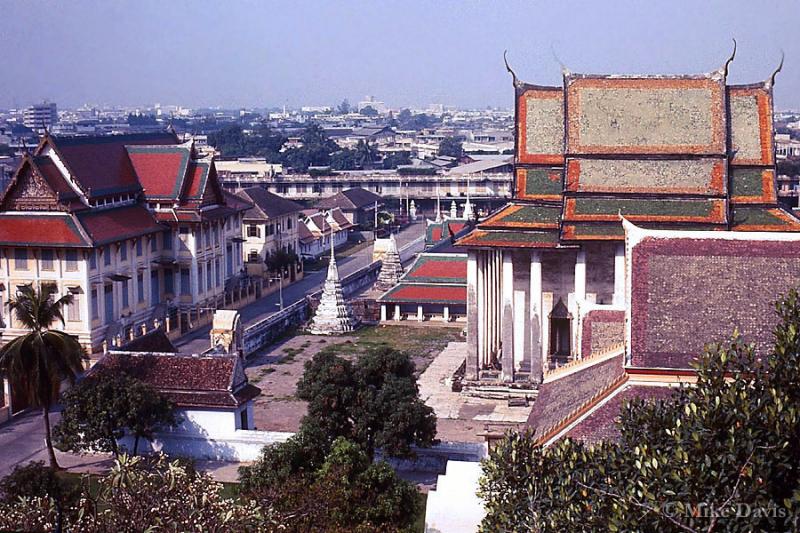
160 169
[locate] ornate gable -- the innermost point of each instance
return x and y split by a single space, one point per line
30 192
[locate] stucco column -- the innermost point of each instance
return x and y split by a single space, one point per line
446 314
537 355
383 312
507 320
476 311
580 276
420 316
7 393
619 275
397 312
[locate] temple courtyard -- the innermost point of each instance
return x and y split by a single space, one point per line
437 352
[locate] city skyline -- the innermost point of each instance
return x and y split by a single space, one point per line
250 54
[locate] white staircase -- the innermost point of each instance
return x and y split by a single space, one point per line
454 507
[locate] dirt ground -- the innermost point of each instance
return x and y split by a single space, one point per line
277 368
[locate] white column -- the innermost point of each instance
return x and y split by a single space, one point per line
507 316
397 312
580 276
446 313
383 312
479 310
619 275
7 393
420 316
537 355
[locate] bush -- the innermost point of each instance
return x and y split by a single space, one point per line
36 480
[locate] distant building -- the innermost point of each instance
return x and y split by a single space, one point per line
357 204
316 231
269 226
786 147
40 116
246 172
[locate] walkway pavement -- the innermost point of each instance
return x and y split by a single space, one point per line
197 340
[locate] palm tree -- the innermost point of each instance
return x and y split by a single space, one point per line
39 361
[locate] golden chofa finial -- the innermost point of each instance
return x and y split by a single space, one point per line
771 81
514 78
730 59
564 70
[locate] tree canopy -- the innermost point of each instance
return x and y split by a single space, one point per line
451 146
39 361
100 409
263 141
718 456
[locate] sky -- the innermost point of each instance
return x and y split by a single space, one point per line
235 53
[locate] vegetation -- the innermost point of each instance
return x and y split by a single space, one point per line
324 477
263 141
719 456
37 363
344 107
451 146
393 160
35 480
139 495
788 167
97 412
142 120
281 260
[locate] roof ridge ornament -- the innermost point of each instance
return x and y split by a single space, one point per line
564 70
771 80
514 79
730 59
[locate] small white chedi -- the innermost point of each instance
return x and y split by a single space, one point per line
333 315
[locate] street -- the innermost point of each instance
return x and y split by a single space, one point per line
197 341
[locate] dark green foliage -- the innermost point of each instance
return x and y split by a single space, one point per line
36 479
374 401
324 476
344 107
142 120
391 161
281 260
451 146
263 141
719 456
788 167
38 362
344 491
99 410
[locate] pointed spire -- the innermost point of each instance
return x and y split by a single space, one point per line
391 267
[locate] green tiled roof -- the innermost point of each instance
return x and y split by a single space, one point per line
642 209
510 239
525 215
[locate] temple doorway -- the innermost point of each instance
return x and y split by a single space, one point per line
560 331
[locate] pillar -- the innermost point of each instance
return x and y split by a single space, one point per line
537 355
473 319
7 393
446 313
397 312
383 312
580 276
619 275
420 316
507 318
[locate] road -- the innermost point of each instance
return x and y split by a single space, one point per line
197 340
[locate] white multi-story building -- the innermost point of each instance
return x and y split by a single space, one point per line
40 116
136 227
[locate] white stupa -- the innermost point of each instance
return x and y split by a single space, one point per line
333 315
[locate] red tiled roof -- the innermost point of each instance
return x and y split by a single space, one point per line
160 169
189 381
196 179
110 225
40 230
601 423
427 293
100 164
444 268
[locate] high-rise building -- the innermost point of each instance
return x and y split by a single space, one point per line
40 116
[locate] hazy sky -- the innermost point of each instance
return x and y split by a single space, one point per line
248 53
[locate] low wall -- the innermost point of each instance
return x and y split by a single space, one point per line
240 446
434 459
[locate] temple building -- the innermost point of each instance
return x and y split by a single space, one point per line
136 227
677 155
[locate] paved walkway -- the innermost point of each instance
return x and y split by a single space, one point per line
197 341
460 417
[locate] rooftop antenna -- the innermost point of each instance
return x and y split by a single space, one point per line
771 82
730 59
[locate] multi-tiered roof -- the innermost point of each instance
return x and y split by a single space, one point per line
683 152
81 192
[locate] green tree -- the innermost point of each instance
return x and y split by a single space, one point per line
369 111
718 456
142 494
281 260
37 362
451 146
344 107
98 410
374 401
392 160
346 159
366 154
345 492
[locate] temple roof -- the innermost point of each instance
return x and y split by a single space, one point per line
116 224
440 231
31 229
673 152
432 278
438 268
426 293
